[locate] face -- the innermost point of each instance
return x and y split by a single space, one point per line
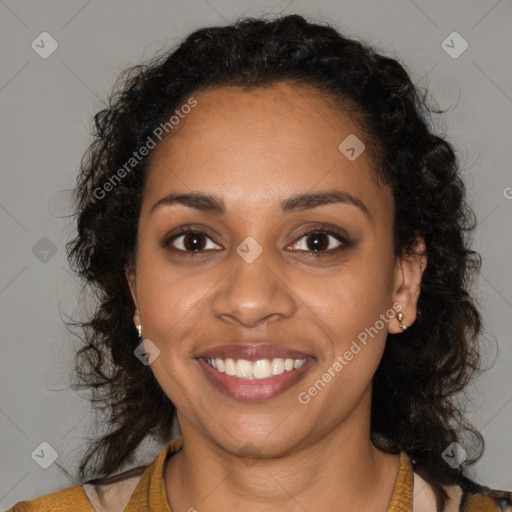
260 242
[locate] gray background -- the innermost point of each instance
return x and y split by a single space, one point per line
47 106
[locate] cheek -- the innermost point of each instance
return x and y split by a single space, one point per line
352 297
171 309
169 295
172 296
169 303
357 319
355 306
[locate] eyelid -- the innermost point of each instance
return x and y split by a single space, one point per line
329 229
319 228
185 230
324 229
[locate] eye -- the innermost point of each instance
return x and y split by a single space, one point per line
320 242
191 240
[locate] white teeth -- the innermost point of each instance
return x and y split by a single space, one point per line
243 368
229 367
277 366
260 369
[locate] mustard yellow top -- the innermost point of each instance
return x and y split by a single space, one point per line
146 493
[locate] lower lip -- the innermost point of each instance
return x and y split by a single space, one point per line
254 389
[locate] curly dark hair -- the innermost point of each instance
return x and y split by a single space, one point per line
415 406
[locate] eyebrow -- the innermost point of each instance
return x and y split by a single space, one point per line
297 202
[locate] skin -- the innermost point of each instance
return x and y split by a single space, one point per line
255 149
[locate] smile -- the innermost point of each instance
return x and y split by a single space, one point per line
258 380
260 369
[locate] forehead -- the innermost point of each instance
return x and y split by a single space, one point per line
262 145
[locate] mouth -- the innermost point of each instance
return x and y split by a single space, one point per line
255 372
259 369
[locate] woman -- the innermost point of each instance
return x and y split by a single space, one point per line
278 244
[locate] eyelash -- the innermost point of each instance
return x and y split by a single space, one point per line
322 229
325 230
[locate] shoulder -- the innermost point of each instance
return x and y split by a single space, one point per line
468 496
83 498
125 491
476 498
70 499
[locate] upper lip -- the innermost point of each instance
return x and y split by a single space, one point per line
253 352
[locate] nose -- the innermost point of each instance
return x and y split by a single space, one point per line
253 293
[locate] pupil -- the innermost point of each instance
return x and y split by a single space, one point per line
193 241
318 243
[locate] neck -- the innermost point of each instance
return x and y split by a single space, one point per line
341 470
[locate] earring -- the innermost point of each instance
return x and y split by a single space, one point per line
139 330
399 317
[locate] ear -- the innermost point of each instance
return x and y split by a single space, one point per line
409 270
131 277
